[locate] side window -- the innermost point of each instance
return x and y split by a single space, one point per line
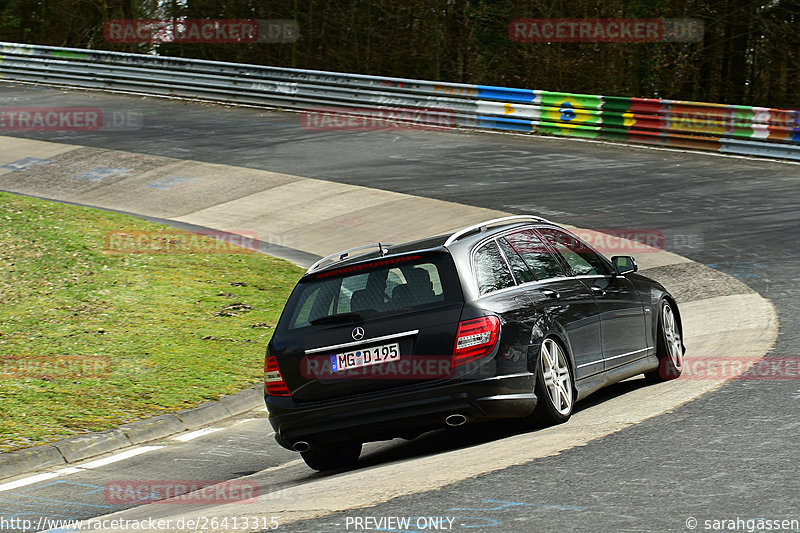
518 266
538 257
491 270
581 259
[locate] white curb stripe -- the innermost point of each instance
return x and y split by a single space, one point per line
120 457
186 437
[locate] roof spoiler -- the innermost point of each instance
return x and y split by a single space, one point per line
344 254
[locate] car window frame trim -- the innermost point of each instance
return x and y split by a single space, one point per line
569 273
474 272
517 282
478 245
564 263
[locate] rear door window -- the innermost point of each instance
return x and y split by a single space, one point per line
518 267
578 255
536 254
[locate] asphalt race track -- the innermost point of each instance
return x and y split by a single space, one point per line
729 454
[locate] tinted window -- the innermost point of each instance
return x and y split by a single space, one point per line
422 283
518 266
491 270
580 258
349 286
529 245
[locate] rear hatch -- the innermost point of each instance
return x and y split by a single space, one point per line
382 323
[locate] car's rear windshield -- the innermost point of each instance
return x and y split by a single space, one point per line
379 288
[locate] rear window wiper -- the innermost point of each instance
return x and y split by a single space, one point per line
341 317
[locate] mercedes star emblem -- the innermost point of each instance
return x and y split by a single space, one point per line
358 333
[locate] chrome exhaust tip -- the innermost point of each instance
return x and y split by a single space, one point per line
301 446
455 420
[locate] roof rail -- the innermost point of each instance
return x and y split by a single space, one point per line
460 233
346 253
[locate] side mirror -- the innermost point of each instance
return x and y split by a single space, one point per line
624 264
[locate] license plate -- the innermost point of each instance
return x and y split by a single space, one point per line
373 355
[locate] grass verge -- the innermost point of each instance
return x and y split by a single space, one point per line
93 336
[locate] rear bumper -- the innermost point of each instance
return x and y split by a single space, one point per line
395 413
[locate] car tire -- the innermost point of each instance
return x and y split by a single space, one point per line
554 388
335 457
669 346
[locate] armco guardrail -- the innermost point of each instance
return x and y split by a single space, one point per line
724 128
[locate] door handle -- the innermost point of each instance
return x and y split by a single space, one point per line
550 293
598 291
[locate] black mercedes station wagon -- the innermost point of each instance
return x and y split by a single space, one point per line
513 317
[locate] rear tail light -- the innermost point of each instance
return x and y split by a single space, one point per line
475 339
273 380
